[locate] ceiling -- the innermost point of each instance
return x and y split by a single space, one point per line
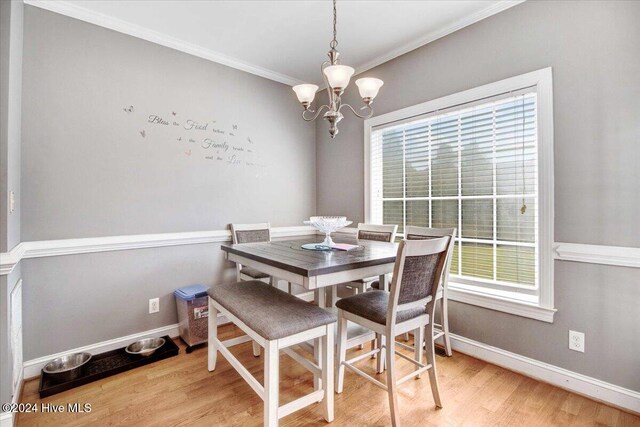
283 40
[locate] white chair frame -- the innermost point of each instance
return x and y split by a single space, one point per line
386 333
234 239
322 369
393 229
441 296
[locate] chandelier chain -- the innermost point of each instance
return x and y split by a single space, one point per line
334 42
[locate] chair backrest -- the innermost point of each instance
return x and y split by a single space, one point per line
420 233
417 275
250 233
379 233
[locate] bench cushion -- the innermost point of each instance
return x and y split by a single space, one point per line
270 312
373 305
252 272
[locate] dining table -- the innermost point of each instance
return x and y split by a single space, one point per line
317 270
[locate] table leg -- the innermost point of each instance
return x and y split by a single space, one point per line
384 283
317 350
334 295
322 297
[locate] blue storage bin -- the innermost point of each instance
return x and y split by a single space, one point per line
192 303
189 293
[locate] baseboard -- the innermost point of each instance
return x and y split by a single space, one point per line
33 367
580 384
7 419
563 378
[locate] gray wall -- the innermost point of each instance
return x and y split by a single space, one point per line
11 32
88 172
593 49
91 298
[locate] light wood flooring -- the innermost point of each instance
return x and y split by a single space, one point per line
180 391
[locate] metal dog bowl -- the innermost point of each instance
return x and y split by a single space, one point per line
67 368
145 347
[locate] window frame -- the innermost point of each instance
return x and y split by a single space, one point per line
514 302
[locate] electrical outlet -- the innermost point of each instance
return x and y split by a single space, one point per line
576 341
154 305
12 201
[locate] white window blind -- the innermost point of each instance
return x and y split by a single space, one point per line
472 167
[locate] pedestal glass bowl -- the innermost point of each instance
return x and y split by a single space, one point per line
327 225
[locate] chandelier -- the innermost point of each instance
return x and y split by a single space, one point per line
336 77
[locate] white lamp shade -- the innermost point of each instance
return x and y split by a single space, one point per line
305 92
369 87
338 75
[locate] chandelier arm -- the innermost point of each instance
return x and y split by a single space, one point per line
365 116
316 115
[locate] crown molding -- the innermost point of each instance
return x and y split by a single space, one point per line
102 20
77 12
435 35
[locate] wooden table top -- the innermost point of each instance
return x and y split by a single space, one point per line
289 255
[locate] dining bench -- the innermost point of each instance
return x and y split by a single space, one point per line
276 321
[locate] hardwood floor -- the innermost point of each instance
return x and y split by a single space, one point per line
180 391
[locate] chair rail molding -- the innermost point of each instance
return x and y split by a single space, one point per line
595 254
47 248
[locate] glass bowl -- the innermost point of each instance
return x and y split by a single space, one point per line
328 225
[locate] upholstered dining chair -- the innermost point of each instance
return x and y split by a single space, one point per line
250 233
420 233
409 306
373 232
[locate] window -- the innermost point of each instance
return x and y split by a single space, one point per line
473 161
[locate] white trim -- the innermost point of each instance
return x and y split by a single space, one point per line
7 418
543 81
8 260
435 35
33 367
506 305
563 378
598 254
46 248
78 12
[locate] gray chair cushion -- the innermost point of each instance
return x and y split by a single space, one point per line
373 305
270 312
252 272
375 285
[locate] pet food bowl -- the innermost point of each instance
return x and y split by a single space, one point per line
145 347
67 368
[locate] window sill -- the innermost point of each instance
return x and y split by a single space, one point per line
466 294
